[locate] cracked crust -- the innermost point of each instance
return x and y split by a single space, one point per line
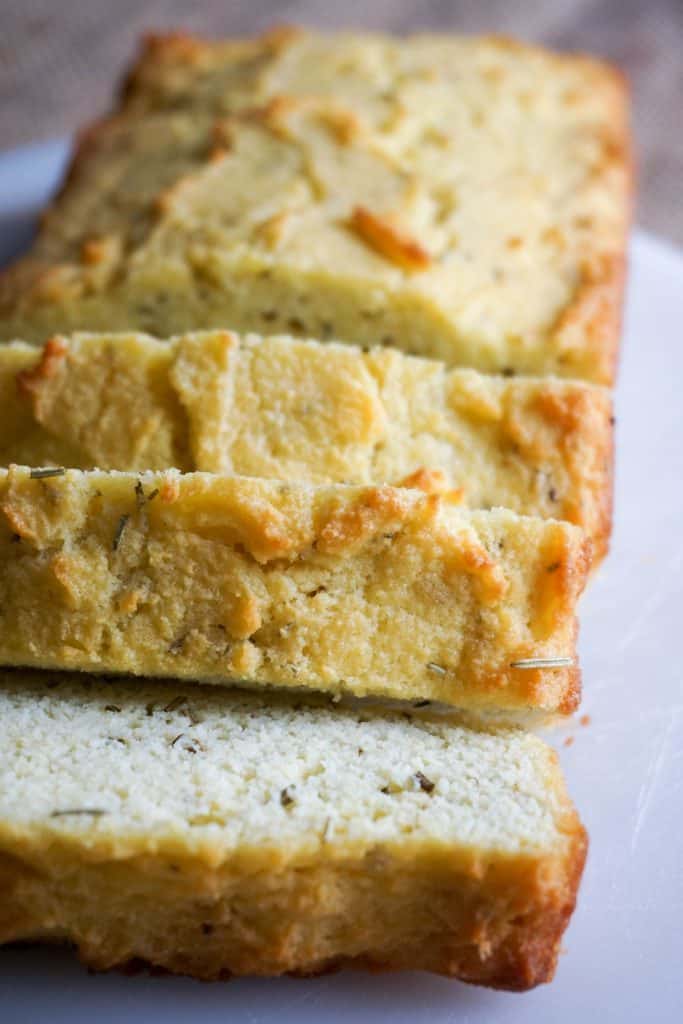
280 407
242 578
375 242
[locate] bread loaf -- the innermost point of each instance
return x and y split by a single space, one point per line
461 198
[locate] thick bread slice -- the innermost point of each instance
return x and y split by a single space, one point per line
298 410
460 198
363 590
212 833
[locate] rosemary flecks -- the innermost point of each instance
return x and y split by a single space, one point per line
140 497
175 703
119 531
529 663
176 646
286 798
43 474
426 785
95 811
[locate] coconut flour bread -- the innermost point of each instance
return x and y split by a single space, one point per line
461 198
212 833
363 590
299 410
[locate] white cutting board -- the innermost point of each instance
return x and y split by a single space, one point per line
624 949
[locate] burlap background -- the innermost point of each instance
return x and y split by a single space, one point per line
58 60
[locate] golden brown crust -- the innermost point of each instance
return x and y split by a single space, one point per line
353 525
593 316
388 241
160 53
31 382
500 929
532 959
596 309
575 415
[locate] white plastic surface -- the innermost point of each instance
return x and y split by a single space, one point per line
625 768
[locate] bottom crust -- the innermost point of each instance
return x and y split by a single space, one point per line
497 923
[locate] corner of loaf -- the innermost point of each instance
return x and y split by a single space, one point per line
378 226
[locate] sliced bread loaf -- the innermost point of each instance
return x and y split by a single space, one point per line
363 590
299 410
211 833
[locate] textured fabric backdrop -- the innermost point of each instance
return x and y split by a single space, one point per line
58 61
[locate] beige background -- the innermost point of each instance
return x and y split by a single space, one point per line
58 60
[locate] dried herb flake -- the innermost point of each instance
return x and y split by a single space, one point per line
94 811
119 531
286 798
43 474
176 646
425 784
175 703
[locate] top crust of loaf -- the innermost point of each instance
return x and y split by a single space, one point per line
297 410
461 198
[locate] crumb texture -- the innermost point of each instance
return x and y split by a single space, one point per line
142 822
298 410
461 198
364 590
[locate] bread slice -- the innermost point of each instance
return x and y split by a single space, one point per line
299 410
211 833
461 198
362 590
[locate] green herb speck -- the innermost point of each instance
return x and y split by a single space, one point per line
43 474
119 531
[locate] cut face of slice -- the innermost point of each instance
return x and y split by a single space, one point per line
211 832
